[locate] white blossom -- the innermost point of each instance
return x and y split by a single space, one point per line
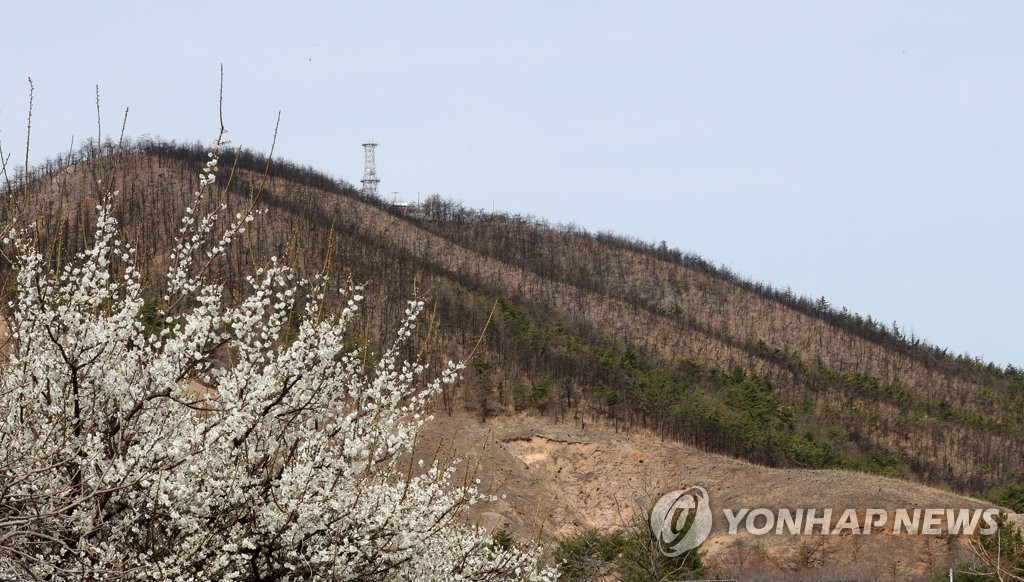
127 454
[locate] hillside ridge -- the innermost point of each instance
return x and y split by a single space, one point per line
583 326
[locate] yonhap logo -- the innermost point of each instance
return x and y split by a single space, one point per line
681 520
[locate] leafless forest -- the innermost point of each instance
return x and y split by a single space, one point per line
575 323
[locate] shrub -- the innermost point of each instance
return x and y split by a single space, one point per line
198 437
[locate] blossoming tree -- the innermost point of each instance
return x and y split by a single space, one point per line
238 441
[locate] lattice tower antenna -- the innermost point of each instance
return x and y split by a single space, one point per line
370 179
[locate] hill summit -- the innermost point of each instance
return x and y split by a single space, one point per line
566 323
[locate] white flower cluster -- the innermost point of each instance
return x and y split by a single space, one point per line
237 441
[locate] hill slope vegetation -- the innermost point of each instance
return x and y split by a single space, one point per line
578 324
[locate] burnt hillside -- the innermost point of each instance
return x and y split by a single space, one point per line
581 324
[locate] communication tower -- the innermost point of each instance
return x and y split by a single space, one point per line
370 179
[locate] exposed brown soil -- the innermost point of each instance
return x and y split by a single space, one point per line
558 478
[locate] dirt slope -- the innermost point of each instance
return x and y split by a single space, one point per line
559 478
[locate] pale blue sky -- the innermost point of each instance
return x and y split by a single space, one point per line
871 152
